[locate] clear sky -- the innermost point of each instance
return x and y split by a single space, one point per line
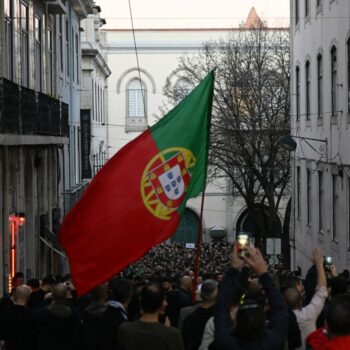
191 13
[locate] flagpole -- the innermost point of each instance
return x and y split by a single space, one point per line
198 251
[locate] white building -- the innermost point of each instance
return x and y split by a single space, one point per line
320 118
94 86
158 53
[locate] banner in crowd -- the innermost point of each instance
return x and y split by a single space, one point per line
136 200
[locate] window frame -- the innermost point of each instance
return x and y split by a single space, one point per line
320 201
143 97
38 52
334 79
319 86
297 92
335 204
307 90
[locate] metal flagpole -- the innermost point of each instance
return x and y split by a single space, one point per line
198 251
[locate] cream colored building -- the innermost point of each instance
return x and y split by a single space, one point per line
158 54
320 116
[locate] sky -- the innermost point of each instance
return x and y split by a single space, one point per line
191 13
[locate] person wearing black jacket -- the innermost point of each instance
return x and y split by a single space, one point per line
115 314
57 325
90 318
249 332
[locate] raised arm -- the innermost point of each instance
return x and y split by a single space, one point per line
278 314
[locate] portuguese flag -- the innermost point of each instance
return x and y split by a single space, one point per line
137 199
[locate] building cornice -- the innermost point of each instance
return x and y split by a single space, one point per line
99 60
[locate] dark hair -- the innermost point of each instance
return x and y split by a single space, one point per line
152 297
100 292
48 280
338 285
121 290
338 315
18 275
33 283
250 322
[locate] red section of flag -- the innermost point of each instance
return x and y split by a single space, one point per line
110 227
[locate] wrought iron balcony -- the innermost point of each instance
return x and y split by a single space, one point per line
26 112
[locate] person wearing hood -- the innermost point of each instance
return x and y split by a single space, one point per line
90 318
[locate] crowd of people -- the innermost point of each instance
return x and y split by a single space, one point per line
151 306
172 259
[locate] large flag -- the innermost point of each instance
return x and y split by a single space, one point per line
137 199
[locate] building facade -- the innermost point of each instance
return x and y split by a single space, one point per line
39 119
94 97
320 118
134 100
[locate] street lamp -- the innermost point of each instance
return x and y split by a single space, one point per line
289 144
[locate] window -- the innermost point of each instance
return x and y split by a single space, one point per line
320 201
335 206
136 99
318 3
50 61
298 193
296 12
307 8
308 193
37 53
8 11
24 25
297 92
319 86
60 41
77 55
334 80
73 55
348 59
67 47
307 89
182 89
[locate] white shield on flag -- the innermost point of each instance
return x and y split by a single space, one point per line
172 183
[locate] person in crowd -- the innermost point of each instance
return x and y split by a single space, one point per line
34 284
115 313
178 299
194 324
148 333
307 315
7 300
336 334
90 318
57 325
16 325
250 329
36 298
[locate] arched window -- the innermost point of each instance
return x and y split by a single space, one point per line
307 88
136 99
334 80
182 88
297 92
319 86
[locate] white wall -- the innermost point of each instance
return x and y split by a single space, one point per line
326 26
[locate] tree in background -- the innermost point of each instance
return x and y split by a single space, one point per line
250 114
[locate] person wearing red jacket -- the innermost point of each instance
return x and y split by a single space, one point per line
336 333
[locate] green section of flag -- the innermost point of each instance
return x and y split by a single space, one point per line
188 126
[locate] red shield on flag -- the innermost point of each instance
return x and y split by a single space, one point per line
170 181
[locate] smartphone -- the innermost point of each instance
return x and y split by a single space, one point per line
328 260
243 242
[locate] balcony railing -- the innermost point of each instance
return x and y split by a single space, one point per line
26 112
